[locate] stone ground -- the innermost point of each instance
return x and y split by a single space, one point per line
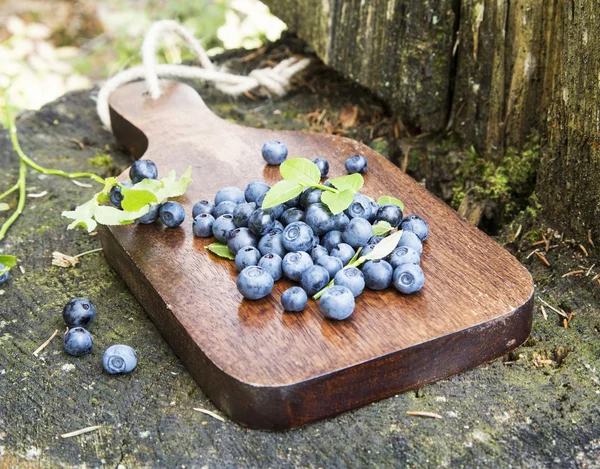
538 407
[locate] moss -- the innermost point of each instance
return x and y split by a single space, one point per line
102 160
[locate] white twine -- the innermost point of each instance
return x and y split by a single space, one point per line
275 81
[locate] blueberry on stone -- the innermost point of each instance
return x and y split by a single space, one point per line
79 312
351 278
202 225
78 341
254 282
142 169
323 166
408 278
171 214
294 299
337 303
274 152
119 359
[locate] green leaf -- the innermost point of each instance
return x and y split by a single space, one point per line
388 199
173 187
337 201
4 207
381 228
135 199
8 262
351 181
300 170
106 215
220 250
83 215
383 248
281 192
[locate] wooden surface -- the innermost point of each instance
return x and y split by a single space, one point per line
274 370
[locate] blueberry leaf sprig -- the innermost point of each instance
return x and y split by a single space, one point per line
8 262
221 250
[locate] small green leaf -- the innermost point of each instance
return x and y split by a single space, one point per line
135 199
300 170
8 262
106 215
381 228
173 187
337 201
4 207
353 182
281 192
220 250
383 248
83 215
389 200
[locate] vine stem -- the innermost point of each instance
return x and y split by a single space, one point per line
21 185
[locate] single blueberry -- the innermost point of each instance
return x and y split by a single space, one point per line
255 190
295 263
316 251
291 215
408 278
340 221
310 195
332 239
241 238
375 239
142 169
357 233
231 194
294 299
276 211
277 227
352 278
360 207
337 303
274 153
4 276
224 207
202 225
374 210
314 279
242 212
344 252
254 283
79 312
78 341
323 166
410 239
272 264
116 197
368 249
331 264
222 228
390 213
171 214
261 222
295 202
246 257
272 243
378 274
417 225
152 215
356 164
404 255
204 206
319 218
297 236
119 359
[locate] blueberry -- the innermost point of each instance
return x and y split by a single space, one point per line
277 227
274 152
310 195
323 166
337 303
261 222
4 276
319 218
390 213
291 215
224 208
231 194
116 197
340 221
298 236
79 312
171 214
242 212
360 207
367 249
272 243
331 264
404 255
356 164
142 169
119 359
241 238
78 341
202 225
255 190
314 279
352 278
344 252
255 283
204 206
294 299
374 209
295 202
222 228
417 225
378 274
246 257
357 233
152 215
276 211
272 264
375 239
315 241
318 251
410 239
332 239
408 278
295 263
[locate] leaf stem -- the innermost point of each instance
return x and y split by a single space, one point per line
9 191
88 252
325 188
21 184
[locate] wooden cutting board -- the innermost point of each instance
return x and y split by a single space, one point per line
273 370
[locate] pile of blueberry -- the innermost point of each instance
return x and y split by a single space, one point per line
79 313
304 242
